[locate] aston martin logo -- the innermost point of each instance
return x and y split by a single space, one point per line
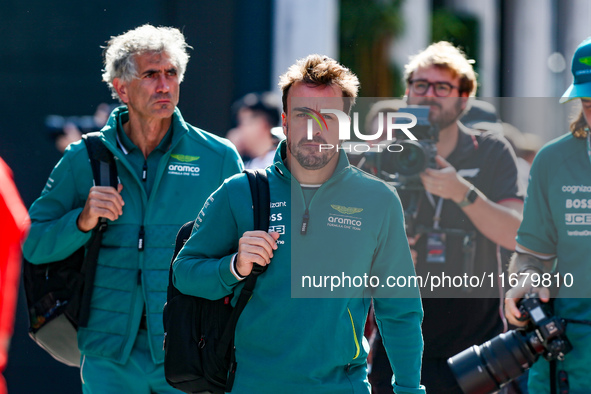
185 158
585 60
346 210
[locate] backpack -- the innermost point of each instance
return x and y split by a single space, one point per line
199 333
59 293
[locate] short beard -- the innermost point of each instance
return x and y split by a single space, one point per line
308 161
446 118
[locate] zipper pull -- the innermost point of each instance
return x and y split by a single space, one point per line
305 220
145 171
140 241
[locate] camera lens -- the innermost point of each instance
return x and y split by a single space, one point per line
411 160
485 368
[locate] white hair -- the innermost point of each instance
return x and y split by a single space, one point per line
120 52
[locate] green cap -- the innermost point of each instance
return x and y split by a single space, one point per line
581 69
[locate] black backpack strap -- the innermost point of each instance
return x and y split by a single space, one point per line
261 207
104 171
261 202
180 240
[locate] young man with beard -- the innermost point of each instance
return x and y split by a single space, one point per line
315 345
474 189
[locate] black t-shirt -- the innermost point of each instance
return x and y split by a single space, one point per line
454 317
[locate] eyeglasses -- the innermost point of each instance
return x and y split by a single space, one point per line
440 89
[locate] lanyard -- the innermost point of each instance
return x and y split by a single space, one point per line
437 216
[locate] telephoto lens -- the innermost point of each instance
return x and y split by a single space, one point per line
487 368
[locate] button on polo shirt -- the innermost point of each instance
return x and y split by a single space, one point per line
136 157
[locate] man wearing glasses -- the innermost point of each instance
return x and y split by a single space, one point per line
474 191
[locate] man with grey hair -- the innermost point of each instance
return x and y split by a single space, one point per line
167 168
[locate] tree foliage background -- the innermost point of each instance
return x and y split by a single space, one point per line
368 27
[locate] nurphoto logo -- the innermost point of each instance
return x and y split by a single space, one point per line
344 122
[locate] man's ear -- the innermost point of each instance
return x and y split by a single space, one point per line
465 96
121 89
284 123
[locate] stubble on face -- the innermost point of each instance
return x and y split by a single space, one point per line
310 157
311 160
445 111
446 117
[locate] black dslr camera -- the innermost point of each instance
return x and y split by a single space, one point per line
401 160
488 367
403 167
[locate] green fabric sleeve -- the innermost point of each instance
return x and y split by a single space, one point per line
398 311
232 163
538 231
54 234
202 267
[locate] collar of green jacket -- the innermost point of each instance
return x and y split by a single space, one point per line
179 127
281 156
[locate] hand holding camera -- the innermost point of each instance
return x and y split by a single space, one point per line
490 366
517 293
444 182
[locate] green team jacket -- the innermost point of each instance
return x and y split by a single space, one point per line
128 278
293 336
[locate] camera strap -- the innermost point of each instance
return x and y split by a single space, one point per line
563 386
438 207
575 321
436 239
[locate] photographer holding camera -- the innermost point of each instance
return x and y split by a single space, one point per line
470 204
547 241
